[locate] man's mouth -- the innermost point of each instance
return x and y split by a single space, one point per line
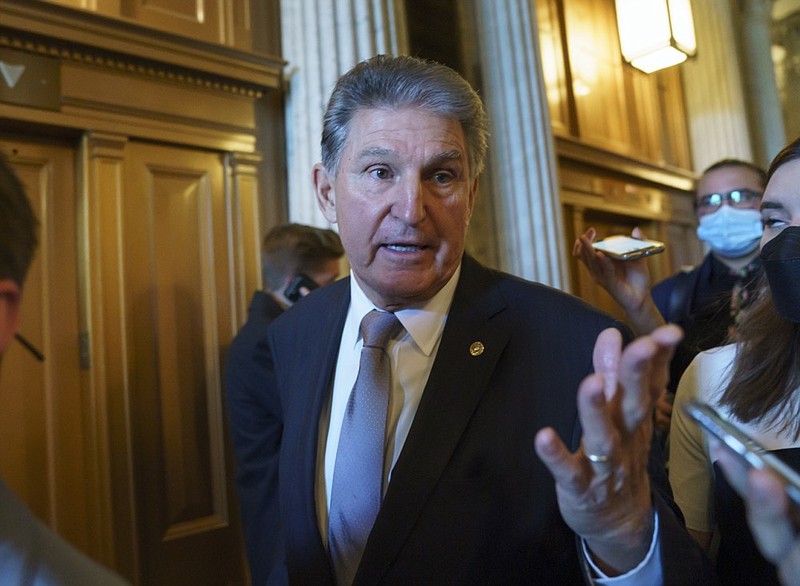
404 247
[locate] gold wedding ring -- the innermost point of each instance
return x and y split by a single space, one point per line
597 458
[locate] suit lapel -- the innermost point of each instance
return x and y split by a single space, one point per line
312 390
458 378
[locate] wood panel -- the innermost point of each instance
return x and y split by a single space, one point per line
604 102
647 127
47 450
226 22
200 19
102 303
597 80
247 234
178 308
239 23
554 67
673 116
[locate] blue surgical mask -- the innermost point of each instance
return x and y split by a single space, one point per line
731 232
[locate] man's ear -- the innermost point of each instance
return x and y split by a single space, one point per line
326 193
10 295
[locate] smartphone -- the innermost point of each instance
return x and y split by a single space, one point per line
628 248
745 447
292 291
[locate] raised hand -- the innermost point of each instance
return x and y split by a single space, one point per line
603 488
627 281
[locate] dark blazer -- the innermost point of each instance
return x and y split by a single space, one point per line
244 381
699 301
469 501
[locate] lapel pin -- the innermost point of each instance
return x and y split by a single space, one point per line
476 348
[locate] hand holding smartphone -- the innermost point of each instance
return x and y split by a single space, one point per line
743 446
628 248
293 291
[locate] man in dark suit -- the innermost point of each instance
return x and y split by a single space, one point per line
490 395
295 259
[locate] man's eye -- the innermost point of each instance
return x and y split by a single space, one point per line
442 177
380 173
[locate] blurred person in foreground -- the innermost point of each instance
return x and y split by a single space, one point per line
30 553
755 383
490 386
295 260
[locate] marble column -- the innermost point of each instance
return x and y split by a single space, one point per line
760 86
714 88
321 40
521 166
788 73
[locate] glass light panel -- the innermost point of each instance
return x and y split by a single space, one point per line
655 34
661 59
643 26
680 13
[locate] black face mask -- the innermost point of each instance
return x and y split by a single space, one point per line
781 259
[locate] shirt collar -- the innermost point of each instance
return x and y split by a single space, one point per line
424 321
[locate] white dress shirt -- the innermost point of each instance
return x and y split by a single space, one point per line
416 349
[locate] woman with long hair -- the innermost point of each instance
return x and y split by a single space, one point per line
754 382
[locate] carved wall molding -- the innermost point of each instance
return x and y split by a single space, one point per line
660 176
105 74
91 39
127 63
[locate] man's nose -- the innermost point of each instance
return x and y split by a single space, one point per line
409 205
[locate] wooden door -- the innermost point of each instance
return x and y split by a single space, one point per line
119 443
178 297
47 448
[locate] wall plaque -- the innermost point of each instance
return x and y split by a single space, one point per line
30 80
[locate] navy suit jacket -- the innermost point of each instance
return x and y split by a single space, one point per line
469 501
244 379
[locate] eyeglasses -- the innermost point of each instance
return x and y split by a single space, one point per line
738 198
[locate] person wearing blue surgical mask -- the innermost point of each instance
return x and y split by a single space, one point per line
706 300
754 383
731 230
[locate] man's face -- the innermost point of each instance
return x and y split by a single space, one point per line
725 180
403 199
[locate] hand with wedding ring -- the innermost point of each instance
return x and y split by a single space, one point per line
597 458
603 488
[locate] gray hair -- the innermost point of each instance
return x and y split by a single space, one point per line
391 82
